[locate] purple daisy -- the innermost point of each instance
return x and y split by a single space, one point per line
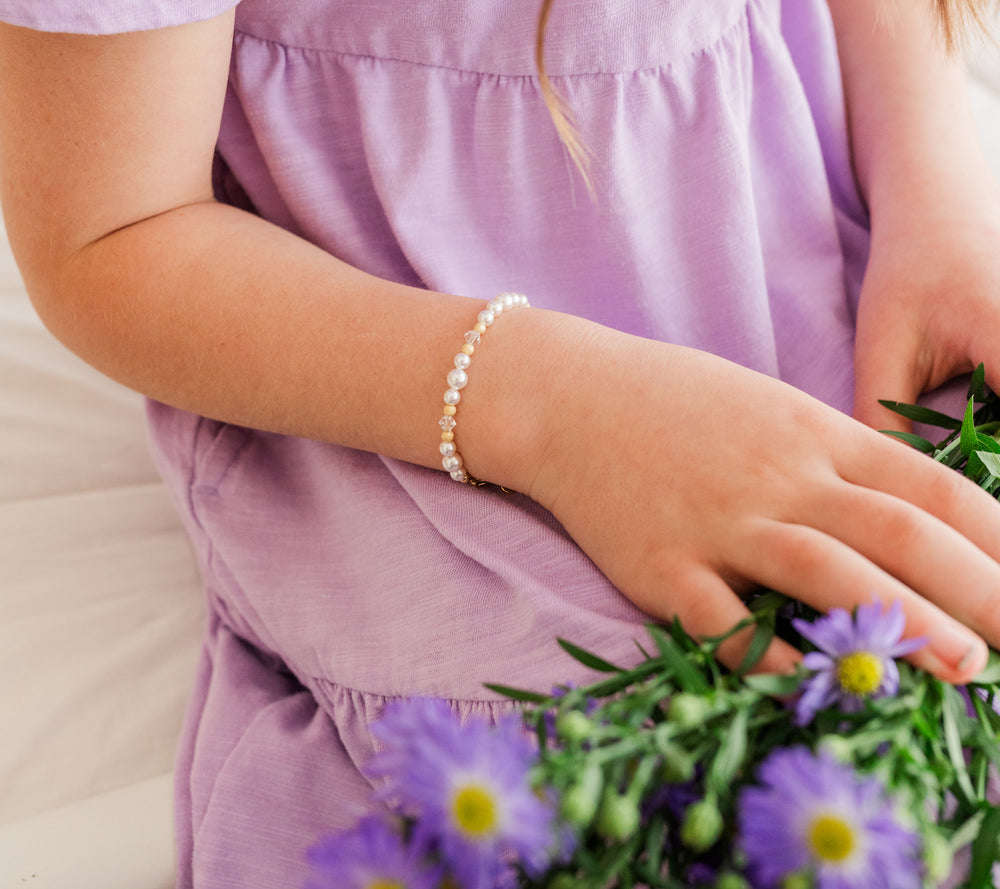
371 856
815 816
469 787
855 660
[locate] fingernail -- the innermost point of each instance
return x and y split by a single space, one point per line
957 648
969 658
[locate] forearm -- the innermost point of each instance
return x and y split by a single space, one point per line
912 132
216 311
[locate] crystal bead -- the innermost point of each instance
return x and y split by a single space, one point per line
473 338
447 423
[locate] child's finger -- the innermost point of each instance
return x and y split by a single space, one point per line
879 374
824 572
707 606
912 478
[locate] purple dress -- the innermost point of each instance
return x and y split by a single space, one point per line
410 139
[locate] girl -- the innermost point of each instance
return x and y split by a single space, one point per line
270 220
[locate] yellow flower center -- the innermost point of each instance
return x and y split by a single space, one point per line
860 673
831 838
475 810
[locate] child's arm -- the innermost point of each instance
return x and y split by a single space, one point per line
930 303
683 476
107 147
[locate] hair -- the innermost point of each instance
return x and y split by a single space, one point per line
559 111
956 19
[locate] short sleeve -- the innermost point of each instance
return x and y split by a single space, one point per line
108 16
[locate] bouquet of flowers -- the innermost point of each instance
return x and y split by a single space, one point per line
856 772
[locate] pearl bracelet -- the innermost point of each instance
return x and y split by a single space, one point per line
458 378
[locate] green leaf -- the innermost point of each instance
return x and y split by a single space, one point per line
984 852
688 677
990 461
968 440
954 706
987 443
773 684
768 602
922 414
588 659
518 694
916 441
762 635
731 753
991 672
977 384
732 631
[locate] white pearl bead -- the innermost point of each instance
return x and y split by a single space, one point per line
496 306
509 301
462 361
485 317
457 378
447 449
452 463
459 475
452 396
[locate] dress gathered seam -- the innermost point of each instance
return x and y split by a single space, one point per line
740 21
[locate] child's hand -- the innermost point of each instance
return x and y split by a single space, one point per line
930 306
688 480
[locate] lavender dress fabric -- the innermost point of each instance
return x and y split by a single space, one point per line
409 138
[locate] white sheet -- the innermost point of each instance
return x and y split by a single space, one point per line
101 607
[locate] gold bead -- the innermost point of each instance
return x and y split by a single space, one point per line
447 436
468 348
479 327
450 410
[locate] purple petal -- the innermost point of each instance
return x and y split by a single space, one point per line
794 786
817 694
905 646
833 633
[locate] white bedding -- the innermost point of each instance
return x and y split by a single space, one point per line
101 612
99 626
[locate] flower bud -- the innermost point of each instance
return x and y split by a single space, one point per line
687 709
618 817
702 825
938 857
573 726
579 803
730 880
839 747
798 880
677 765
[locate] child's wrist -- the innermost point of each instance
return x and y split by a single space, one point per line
458 377
510 406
